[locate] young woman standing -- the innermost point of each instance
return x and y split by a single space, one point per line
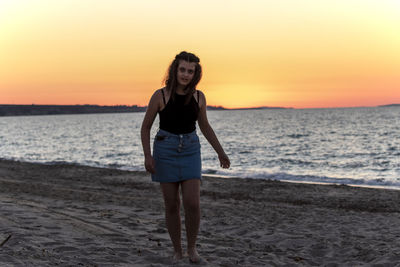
176 160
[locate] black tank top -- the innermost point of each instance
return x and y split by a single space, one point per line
178 118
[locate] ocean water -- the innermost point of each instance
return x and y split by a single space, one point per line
358 146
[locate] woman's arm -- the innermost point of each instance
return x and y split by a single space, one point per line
148 120
209 134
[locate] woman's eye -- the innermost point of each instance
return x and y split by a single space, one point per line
190 71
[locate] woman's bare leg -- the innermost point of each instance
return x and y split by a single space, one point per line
191 203
172 215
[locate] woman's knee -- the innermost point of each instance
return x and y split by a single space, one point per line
191 195
191 204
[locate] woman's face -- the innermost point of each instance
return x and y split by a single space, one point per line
185 72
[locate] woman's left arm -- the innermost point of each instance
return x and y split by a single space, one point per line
209 134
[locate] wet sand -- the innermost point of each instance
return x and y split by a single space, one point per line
69 215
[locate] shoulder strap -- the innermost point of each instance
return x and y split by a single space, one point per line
198 98
163 96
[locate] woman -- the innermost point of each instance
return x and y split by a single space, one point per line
176 160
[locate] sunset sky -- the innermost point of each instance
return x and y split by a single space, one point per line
291 53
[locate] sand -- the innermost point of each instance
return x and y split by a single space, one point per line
68 215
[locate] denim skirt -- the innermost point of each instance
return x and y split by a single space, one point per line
177 157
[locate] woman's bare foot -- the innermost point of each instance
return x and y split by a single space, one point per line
177 257
193 255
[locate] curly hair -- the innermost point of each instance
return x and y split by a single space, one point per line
171 82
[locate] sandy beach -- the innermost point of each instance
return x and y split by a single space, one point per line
68 215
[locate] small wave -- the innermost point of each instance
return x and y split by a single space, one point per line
354 165
116 155
115 166
298 162
296 136
209 171
59 162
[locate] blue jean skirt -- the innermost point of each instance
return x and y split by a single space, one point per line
177 157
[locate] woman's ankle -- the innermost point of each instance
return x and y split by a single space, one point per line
193 255
178 254
191 248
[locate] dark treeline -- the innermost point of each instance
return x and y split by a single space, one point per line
25 110
390 105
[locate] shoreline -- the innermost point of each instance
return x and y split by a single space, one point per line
383 187
76 215
379 187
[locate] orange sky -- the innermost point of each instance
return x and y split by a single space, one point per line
293 53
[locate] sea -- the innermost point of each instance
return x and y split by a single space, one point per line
352 146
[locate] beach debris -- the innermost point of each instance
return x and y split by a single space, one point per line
5 240
298 259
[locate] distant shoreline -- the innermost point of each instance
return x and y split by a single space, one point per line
31 110
390 105
28 110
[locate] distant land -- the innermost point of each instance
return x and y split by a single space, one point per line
390 105
27 110
256 108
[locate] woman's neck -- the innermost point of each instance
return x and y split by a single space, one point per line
180 90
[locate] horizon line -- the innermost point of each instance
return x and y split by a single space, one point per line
213 106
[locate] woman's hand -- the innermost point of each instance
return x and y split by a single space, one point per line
224 161
149 164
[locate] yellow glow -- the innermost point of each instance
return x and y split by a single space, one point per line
254 53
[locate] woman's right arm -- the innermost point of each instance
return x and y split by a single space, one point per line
148 120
